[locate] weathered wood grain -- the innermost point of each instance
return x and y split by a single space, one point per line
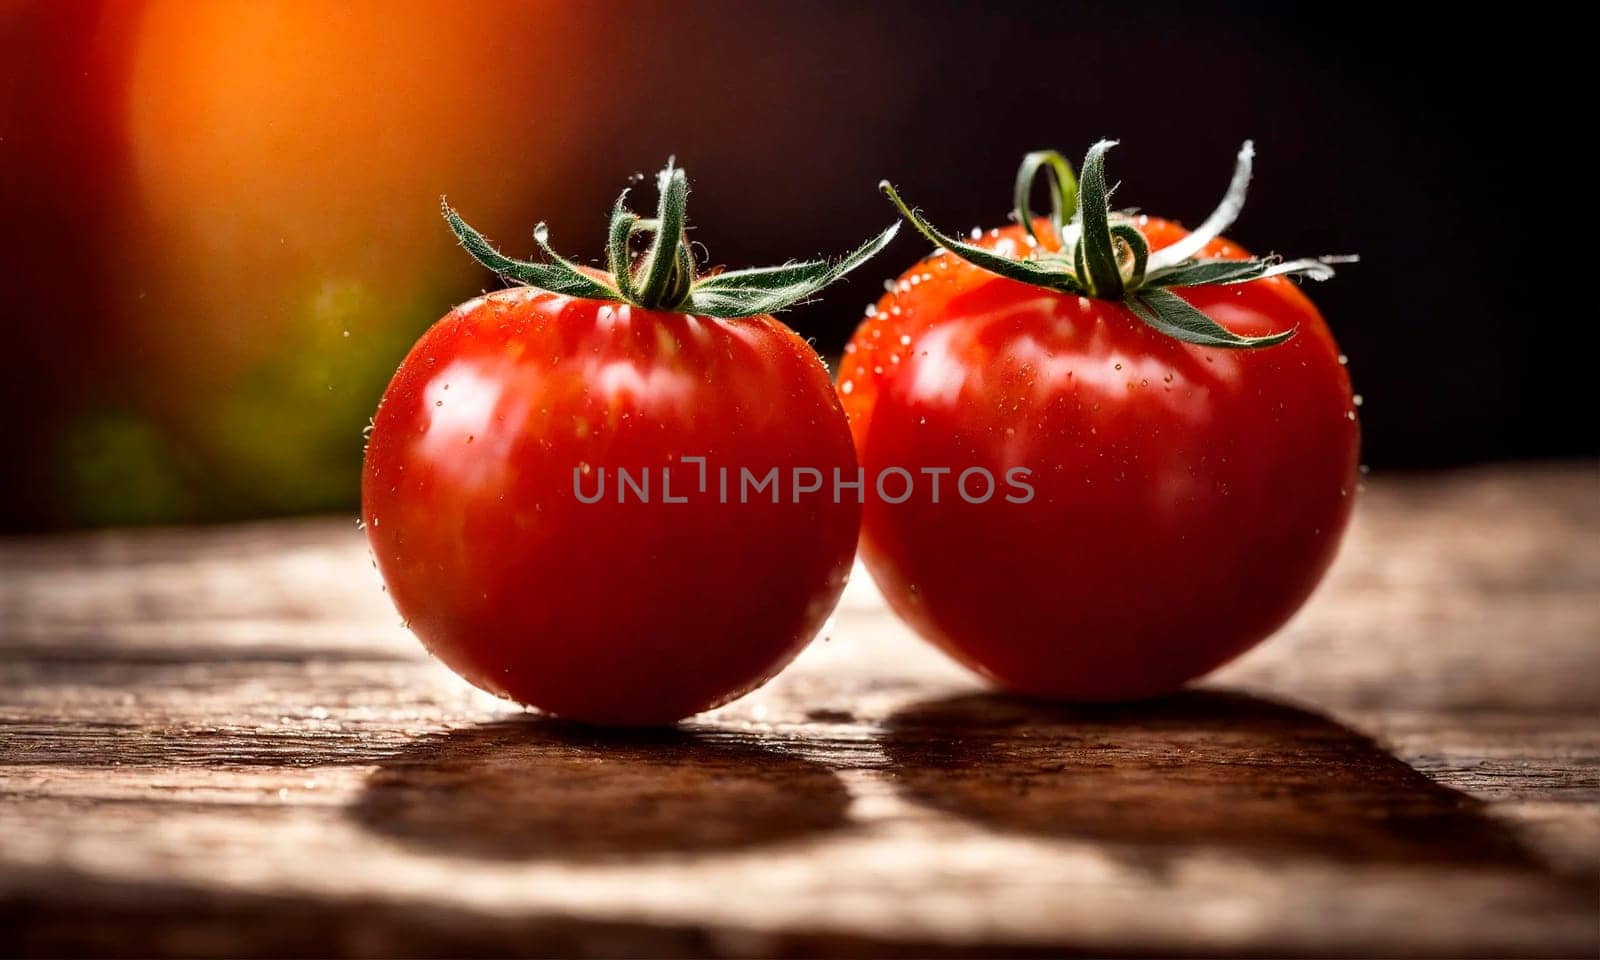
221 742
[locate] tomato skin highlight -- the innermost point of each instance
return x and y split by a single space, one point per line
618 613
1186 500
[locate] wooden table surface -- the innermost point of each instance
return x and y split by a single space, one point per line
220 741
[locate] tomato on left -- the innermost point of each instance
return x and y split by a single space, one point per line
555 487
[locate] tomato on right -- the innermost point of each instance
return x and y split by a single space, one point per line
1161 494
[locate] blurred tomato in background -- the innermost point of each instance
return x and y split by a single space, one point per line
224 231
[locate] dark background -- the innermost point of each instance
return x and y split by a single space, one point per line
1377 132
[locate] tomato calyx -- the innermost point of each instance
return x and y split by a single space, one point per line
1098 252
663 276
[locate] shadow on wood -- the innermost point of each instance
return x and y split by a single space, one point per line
1202 769
537 788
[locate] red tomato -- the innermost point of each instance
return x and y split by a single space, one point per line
1185 499
608 612
609 495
